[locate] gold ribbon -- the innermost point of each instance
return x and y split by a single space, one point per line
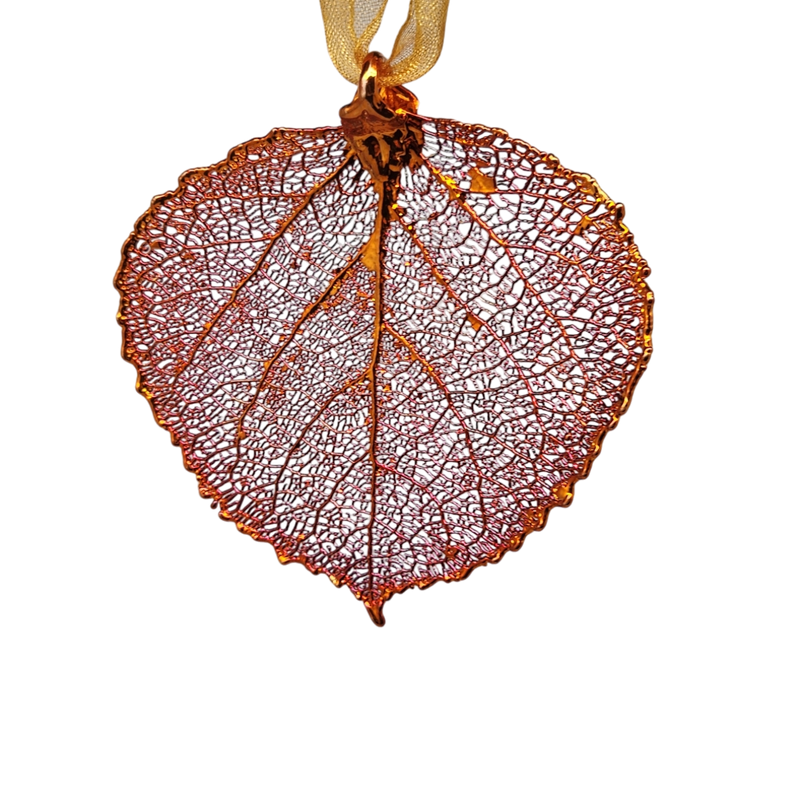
351 24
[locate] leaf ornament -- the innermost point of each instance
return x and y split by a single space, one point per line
388 348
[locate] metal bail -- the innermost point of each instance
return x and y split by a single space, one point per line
374 98
368 94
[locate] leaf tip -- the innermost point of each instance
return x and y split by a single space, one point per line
375 611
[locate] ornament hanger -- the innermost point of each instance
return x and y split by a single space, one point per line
350 28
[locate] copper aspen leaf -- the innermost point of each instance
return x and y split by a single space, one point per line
388 348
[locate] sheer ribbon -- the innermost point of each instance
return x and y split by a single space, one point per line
350 28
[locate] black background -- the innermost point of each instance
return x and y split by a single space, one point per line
602 97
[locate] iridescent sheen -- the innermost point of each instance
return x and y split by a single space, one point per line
388 348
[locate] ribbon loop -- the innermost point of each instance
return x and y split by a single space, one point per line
350 26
